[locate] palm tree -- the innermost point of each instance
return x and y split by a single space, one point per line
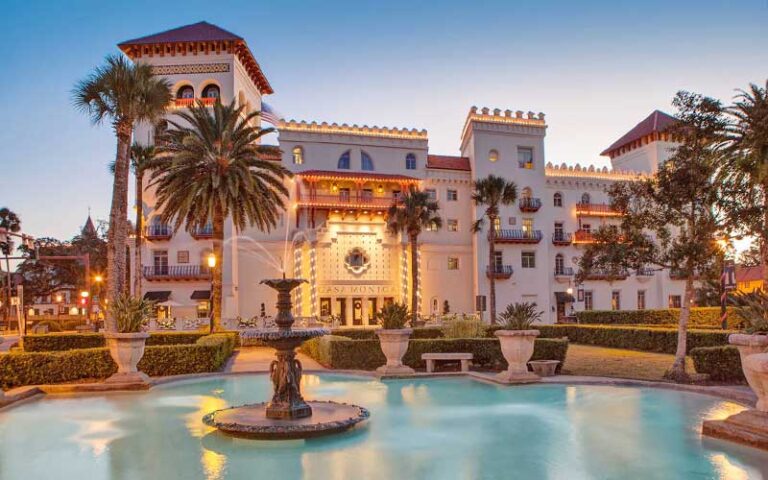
11 222
215 170
124 94
142 158
492 192
413 212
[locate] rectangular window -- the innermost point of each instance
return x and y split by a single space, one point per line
525 157
451 195
453 225
202 309
675 301
498 259
589 303
182 256
528 259
453 263
616 300
527 225
641 299
586 227
559 232
432 193
497 224
160 262
432 227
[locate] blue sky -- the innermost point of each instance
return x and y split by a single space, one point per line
595 68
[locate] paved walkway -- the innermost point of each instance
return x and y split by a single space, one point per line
257 359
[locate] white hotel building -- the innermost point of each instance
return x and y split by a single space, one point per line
346 177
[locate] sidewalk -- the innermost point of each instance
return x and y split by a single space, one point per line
257 359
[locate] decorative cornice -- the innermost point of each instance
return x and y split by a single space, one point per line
578 171
344 129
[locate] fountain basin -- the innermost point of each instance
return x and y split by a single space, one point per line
250 421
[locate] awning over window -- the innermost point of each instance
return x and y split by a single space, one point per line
201 295
564 297
161 296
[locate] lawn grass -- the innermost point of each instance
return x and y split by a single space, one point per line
614 362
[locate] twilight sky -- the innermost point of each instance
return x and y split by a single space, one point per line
595 68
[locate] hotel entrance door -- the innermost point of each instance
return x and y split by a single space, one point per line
342 303
357 311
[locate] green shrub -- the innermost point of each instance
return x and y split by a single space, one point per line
174 338
346 354
130 312
520 316
463 326
393 316
207 354
71 341
722 364
370 333
700 317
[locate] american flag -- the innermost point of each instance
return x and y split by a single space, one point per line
269 115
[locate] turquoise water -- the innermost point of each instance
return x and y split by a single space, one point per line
432 429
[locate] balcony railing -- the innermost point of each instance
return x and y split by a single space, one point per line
176 272
563 271
600 274
499 271
158 232
188 102
518 236
562 238
596 210
645 272
347 200
528 204
583 236
202 233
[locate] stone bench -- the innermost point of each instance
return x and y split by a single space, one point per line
431 358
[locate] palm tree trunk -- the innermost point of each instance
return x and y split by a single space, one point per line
118 215
492 269
678 373
139 233
216 274
414 279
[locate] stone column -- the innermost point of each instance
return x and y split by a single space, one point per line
350 308
404 273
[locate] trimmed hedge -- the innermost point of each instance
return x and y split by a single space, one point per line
70 341
722 364
370 333
207 354
647 339
344 353
700 317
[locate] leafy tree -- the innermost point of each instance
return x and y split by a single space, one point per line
124 93
414 212
751 257
142 159
492 192
668 219
743 172
214 171
11 222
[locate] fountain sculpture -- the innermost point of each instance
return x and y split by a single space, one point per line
287 415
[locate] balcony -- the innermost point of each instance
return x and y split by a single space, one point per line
518 236
610 275
596 210
158 232
188 102
583 236
645 274
528 204
563 272
203 233
176 272
345 200
562 238
502 272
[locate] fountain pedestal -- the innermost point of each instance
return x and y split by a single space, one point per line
287 415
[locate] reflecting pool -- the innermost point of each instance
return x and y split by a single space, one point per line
447 428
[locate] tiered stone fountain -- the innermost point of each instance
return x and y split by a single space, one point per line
287 415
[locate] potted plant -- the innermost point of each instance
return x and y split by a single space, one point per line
393 338
517 341
752 345
126 346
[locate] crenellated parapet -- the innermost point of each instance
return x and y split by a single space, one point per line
503 121
577 171
345 129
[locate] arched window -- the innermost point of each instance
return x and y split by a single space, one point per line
365 162
559 264
585 198
493 156
298 156
344 161
557 199
211 91
410 162
185 92
526 193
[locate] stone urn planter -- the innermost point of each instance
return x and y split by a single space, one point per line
517 348
126 350
544 368
754 364
394 344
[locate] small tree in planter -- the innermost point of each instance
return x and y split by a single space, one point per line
753 345
517 341
393 338
126 346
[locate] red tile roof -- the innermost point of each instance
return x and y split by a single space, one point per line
202 32
448 162
749 274
657 121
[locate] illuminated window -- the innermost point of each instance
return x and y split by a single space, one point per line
557 199
493 156
344 161
616 300
453 263
410 162
497 224
298 156
365 162
453 225
185 92
675 301
528 225
525 157
203 309
211 91
432 227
